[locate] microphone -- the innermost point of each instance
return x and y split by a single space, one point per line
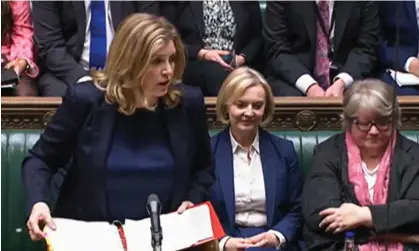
154 209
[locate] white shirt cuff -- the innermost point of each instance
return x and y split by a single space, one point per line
407 64
222 242
84 79
304 82
345 77
281 237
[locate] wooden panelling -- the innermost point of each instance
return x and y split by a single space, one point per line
291 113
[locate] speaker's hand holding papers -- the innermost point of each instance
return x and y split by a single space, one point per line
179 231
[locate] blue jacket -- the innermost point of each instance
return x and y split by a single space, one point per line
283 183
81 131
409 33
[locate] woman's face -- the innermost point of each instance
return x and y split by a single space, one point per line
159 75
247 112
371 132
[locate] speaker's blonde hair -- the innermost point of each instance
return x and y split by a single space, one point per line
129 59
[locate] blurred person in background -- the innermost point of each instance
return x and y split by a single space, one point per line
219 36
17 46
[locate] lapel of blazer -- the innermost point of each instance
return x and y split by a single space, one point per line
270 165
177 128
103 122
103 125
80 13
398 165
342 11
196 8
224 168
308 14
411 11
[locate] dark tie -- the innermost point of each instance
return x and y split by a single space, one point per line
322 68
97 35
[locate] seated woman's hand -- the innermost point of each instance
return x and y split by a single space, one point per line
215 55
347 216
19 65
265 239
40 215
233 244
239 60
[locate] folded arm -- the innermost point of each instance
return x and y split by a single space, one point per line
322 190
402 213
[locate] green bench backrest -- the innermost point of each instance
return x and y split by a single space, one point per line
15 145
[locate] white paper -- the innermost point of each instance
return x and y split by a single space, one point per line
73 235
180 231
404 79
6 86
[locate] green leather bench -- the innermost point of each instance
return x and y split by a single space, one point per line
15 145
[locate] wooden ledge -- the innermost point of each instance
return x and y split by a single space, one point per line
291 113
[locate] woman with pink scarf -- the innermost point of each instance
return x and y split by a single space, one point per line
365 180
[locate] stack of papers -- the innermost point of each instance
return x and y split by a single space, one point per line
180 231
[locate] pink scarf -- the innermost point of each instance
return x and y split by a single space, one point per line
357 179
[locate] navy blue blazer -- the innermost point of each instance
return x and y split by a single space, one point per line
282 177
81 131
409 33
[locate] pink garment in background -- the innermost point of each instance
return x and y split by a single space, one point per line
20 43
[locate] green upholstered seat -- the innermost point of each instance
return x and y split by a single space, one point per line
15 145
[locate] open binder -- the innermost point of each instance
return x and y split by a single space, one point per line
197 228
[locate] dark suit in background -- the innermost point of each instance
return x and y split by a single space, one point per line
290 41
209 75
84 128
406 18
60 30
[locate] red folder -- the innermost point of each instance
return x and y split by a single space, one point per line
217 228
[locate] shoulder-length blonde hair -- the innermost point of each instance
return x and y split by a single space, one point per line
234 86
129 59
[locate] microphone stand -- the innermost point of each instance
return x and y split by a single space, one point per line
156 239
